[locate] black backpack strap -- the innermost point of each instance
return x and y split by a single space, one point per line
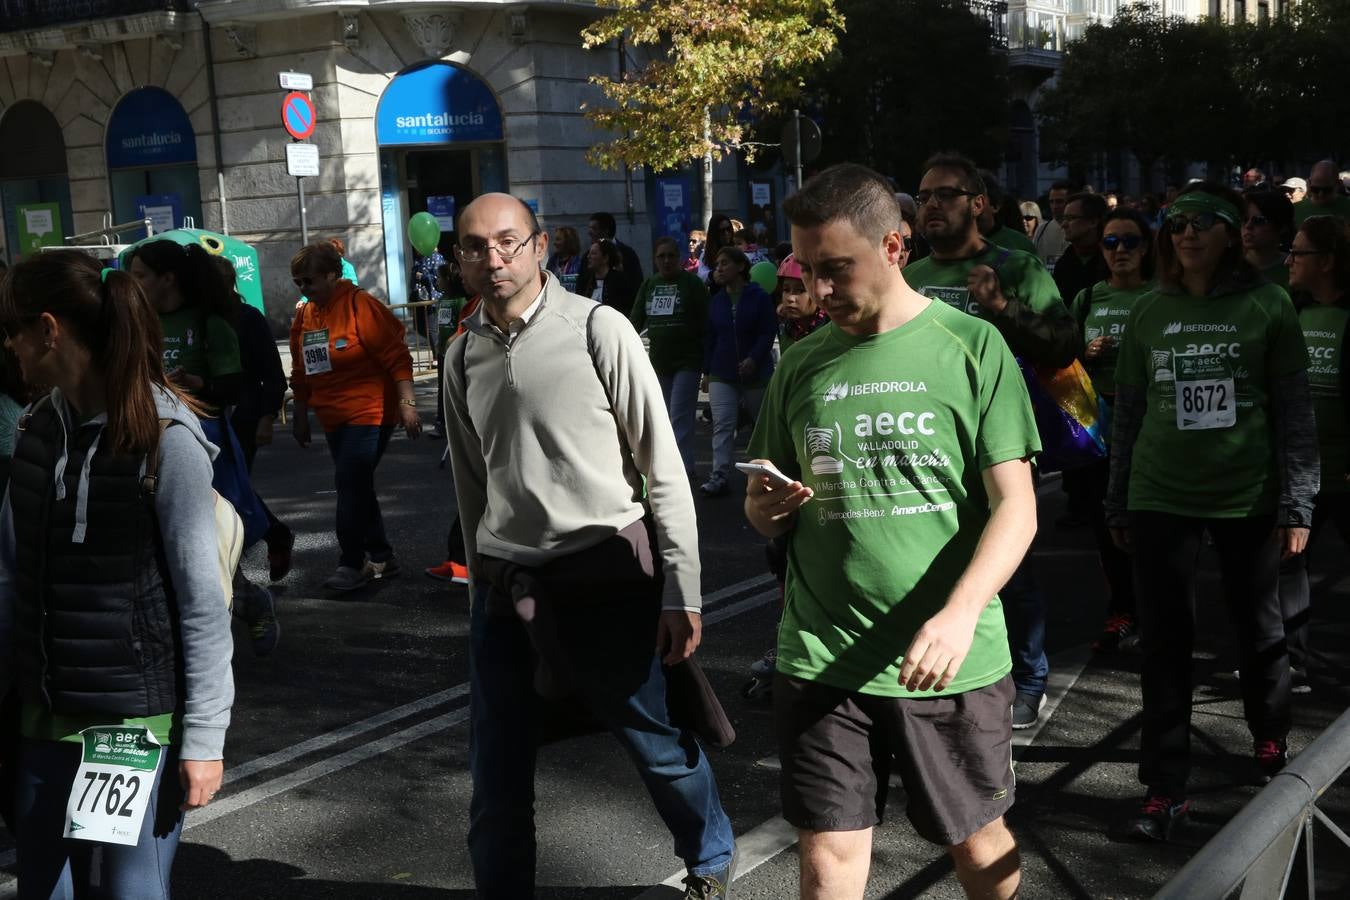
150 480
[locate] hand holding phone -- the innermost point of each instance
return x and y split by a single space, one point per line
754 470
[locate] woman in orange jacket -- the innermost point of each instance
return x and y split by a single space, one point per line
350 363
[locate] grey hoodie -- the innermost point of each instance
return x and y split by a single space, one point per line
184 506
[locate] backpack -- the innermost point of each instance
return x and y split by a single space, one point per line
229 527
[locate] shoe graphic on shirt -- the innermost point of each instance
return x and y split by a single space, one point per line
820 444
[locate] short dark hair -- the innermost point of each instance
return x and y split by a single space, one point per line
992 189
955 162
1094 205
1275 206
666 240
1233 266
1063 185
320 258
606 223
1331 234
850 192
613 258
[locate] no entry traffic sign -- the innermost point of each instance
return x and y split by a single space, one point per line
297 115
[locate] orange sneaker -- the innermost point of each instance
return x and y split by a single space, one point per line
449 571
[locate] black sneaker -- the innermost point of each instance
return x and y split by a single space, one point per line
1271 757
714 886
1155 819
1026 710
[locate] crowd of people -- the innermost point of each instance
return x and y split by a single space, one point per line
886 365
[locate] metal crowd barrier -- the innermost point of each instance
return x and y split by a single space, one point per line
1258 848
419 318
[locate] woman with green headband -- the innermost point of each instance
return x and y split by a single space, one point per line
1214 434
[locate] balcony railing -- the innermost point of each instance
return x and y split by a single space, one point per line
21 15
995 12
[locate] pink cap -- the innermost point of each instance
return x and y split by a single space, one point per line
788 268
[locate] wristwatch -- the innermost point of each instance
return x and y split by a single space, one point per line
404 402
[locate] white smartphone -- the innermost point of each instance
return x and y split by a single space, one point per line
776 478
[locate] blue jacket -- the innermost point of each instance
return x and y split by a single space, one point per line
748 333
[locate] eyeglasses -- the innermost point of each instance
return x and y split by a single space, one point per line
1297 253
1201 222
909 244
1116 242
1257 221
944 195
507 248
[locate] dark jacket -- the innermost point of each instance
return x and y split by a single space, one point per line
620 288
264 378
1072 274
631 264
746 333
98 632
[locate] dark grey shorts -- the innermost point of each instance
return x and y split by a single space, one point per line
838 748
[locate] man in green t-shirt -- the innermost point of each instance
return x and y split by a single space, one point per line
1016 294
995 233
1326 194
907 433
672 306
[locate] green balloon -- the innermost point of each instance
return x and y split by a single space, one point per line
424 233
765 275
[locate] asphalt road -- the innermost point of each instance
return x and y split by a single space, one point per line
347 758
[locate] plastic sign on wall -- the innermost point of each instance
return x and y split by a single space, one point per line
437 103
149 128
39 226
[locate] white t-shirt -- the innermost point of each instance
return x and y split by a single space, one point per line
598 292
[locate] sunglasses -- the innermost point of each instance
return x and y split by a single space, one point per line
1201 222
1297 253
1116 242
944 195
909 244
1320 189
1257 221
1030 218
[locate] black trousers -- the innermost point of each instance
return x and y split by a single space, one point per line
1295 596
1088 486
1166 556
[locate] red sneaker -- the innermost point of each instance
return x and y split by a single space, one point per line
449 571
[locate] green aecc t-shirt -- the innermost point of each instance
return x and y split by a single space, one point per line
206 355
1206 364
675 314
1022 277
1104 311
1324 330
892 432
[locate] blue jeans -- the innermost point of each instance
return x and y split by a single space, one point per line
621 683
724 399
680 390
356 451
1024 613
50 865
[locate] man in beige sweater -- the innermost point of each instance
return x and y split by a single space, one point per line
565 464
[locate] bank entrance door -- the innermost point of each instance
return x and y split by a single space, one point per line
440 134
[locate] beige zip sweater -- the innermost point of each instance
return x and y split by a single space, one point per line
548 458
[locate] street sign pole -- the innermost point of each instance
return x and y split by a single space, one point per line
304 220
797 136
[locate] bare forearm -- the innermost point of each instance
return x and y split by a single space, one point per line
1003 544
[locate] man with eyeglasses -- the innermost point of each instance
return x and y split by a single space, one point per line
1326 195
1049 240
578 519
1295 189
1082 264
1014 292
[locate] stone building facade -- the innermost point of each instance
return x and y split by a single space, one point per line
173 109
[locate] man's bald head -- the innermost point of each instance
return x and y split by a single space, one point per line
496 202
502 252
1324 185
